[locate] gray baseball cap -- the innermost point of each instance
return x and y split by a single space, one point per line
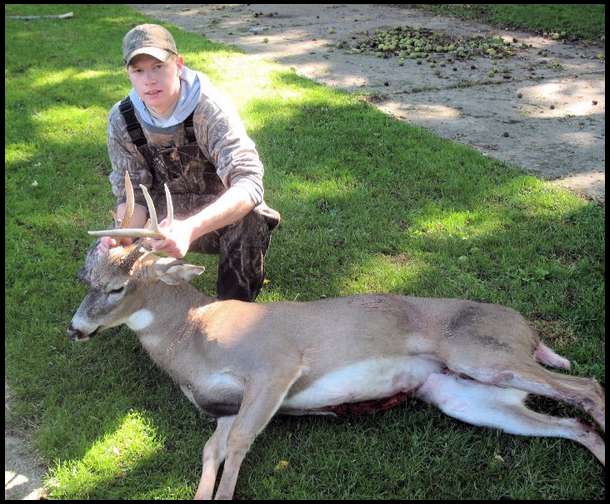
149 39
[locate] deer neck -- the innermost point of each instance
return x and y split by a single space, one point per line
164 312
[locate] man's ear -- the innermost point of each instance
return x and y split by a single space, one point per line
173 271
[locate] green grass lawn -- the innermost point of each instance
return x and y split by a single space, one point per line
369 204
563 21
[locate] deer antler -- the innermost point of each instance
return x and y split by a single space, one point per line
150 232
130 205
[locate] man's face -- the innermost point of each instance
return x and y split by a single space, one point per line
157 83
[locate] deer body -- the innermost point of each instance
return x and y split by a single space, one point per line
386 344
245 362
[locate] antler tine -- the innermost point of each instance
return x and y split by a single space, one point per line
170 206
154 224
130 201
154 231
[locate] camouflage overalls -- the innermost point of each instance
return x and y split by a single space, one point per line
194 184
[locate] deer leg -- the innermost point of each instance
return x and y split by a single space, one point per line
502 408
585 393
262 398
545 355
214 453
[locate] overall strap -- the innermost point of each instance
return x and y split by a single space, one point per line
189 129
133 126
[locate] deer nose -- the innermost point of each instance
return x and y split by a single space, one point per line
74 334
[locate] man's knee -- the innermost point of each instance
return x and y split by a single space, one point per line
243 247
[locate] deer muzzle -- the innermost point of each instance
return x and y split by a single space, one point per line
77 335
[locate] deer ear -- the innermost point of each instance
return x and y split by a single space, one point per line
174 272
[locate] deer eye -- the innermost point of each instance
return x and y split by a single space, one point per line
117 291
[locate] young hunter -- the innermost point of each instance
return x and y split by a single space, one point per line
175 128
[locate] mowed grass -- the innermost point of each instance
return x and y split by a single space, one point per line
369 204
563 21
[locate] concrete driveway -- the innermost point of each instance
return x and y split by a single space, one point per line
23 468
547 115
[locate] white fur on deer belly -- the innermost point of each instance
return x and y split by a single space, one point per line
140 320
363 381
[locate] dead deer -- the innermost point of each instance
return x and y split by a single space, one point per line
244 362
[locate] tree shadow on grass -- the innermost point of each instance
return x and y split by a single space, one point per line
357 209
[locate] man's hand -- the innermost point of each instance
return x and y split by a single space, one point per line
108 242
138 219
177 240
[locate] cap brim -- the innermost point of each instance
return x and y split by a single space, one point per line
155 52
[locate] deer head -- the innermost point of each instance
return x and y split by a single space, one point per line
116 278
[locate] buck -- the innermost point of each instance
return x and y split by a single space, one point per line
245 362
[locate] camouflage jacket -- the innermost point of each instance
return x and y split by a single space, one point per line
220 135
